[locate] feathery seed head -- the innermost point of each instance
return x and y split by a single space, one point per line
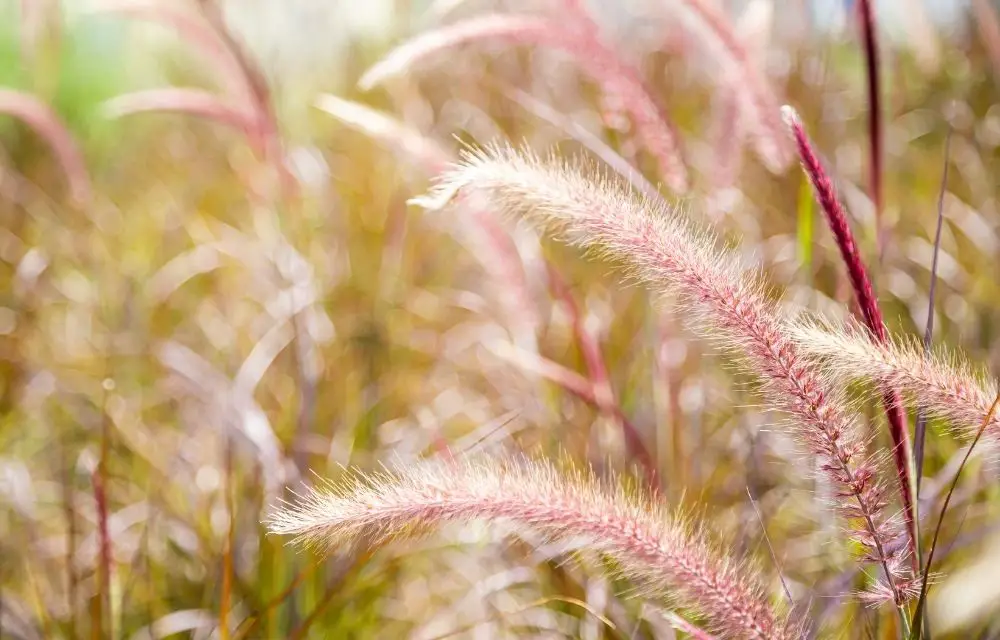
945 384
650 547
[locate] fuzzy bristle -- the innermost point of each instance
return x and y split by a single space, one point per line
659 553
946 385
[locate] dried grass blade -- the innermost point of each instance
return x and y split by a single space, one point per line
920 432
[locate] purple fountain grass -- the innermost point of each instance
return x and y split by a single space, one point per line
661 554
602 214
47 125
616 78
864 293
944 384
600 382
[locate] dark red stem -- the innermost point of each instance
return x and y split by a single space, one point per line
869 38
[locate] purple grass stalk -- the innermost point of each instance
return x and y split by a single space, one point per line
654 130
47 125
69 512
869 36
602 214
652 548
836 217
583 388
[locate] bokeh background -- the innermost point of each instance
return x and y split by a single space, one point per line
203 314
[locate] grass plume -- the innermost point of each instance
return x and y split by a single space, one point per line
651 548
602 214
945 384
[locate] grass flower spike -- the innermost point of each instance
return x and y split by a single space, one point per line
650 548
945 385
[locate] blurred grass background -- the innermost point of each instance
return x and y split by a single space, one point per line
180 348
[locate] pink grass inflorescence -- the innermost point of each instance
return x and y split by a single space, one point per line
657 552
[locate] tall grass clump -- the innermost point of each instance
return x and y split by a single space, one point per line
586 208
